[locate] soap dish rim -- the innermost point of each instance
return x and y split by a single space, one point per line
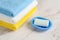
40 28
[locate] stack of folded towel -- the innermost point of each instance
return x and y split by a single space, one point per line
13 13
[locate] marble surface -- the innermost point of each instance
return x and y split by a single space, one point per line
46 8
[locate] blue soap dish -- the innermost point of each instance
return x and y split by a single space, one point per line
40 28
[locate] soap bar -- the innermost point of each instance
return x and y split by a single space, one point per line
41 22
12 7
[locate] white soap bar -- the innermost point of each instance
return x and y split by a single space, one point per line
41 22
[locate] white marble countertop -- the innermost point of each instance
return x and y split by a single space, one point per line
46 8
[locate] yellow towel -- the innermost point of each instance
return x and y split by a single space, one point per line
19 23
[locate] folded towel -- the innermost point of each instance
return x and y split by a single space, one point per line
13 7
19 23
18 17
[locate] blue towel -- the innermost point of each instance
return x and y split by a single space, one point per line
12 7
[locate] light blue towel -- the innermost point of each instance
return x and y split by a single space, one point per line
12 7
